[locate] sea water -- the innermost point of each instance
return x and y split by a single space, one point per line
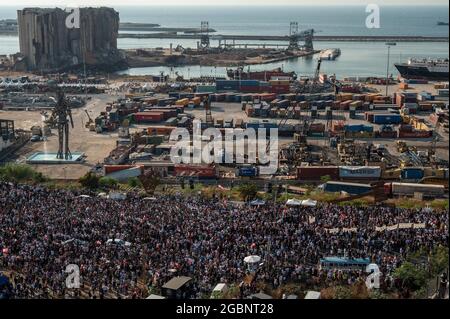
357 59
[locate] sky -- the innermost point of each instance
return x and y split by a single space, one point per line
64 3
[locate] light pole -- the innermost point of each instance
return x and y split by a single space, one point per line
389 44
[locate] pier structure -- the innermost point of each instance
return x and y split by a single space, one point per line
284 38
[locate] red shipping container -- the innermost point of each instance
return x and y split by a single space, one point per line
250 89
159 130
279 88
149 117
426 107
414 134
369 117
336 105
315 173
392 134
317 128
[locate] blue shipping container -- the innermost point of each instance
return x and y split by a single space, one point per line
300 98
249 83
387 119
175 95
247 172
224 85
412 173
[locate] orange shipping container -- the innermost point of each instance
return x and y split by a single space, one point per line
183 102
159 130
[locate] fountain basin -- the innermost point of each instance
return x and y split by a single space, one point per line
50 158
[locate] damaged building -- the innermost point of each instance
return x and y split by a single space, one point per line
47 44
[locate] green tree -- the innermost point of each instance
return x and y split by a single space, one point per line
150 180
248 191
325 179
90 180
439 260
411 277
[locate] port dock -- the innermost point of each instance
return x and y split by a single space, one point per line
218 37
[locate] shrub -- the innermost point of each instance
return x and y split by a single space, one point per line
134 182
90 180
107 182
20 173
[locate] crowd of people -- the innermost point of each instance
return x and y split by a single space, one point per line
126 248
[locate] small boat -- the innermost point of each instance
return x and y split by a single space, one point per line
330 54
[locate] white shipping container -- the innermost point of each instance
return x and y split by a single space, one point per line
360 172
410 189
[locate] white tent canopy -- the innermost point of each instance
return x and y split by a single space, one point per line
309 203
294 202
258 202
306 202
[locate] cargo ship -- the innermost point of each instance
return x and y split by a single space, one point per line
240 74
330 54
424 69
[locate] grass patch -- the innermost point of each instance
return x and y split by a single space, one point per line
21 173
411 203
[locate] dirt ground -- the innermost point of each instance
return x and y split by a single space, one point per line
95 146
98 146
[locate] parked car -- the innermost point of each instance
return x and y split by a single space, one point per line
36 138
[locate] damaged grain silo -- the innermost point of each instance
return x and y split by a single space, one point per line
47 44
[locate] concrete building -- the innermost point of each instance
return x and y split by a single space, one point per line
47 44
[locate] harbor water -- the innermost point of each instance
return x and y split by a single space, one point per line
357 59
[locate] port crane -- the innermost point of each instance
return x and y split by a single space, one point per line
208 114
90 121
204 38
295 37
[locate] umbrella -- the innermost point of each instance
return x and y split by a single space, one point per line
252 259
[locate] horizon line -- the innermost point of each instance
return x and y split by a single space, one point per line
235 5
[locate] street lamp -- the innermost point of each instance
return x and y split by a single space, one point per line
389 44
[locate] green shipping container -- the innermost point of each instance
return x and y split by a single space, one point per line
206 89
155 139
